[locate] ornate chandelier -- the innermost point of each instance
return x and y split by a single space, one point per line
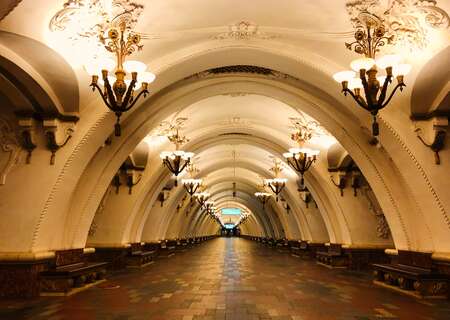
176 160
191 185
276 184
201 197
209 207
370 35
108 24
263 197
301 158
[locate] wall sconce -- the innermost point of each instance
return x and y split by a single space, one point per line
305 195
116 182
356 182
437 144
342 182
163 196
130 180
285 205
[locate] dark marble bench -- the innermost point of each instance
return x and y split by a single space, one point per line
333 257
140 255
70 272
282 245
413 273
167 248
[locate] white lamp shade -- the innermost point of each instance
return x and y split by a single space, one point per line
389 60
355 83
134 66
401 69
189 155
381 79
362 64
343 76
146 77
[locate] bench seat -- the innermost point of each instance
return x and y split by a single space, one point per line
413 274
63 280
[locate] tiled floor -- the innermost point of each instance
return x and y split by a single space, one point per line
231 278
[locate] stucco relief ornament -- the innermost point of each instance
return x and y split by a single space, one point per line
10 147
408 21
84 19
244 30
383 230
101 207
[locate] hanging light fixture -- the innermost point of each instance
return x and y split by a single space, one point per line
191 185
367 89
176 160
276 184
201 197
209 205
301 158
108 24
263 197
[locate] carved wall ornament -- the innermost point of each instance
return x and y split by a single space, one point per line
9 145
236 123
409 21
244 30
101 207
383 230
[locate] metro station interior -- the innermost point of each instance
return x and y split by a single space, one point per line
174 159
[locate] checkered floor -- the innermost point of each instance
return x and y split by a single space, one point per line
231 278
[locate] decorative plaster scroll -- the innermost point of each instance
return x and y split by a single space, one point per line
10 145
383 230
235 94
101 207
410 21
244 30
236 122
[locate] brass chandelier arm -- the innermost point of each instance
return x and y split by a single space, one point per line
384 88
168 165
143 92
128 95
399 85
184 166
358 100
96 86
110 94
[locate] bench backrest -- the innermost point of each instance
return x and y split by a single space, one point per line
335 248
66 257
303 245
415 259
136 247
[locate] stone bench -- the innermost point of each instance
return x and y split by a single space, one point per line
70 273
140 255
333 257
412 273
282 245
167 248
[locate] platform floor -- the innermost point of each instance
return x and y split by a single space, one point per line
231 278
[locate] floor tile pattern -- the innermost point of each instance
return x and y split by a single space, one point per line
231 278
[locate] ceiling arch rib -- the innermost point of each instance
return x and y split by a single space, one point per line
266 93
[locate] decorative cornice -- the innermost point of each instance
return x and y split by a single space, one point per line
9 143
